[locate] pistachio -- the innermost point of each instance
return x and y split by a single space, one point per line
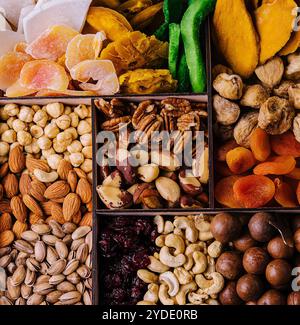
66 286
23 246
52 255
43 288
35 299
84 272
40 251
70 298
82 253
57 267
74 278
30 236
81 232
41 229
33 264
61 249
71 267
56 279
19 276
30 278
49 239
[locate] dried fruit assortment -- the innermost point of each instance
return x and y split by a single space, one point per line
154 179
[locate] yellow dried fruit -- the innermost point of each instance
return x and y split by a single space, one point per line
292 45
274 23
236 36
136 50
145 17
109 21
132 7
147 81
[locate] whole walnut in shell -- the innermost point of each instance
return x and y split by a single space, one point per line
226 112
283 89
254 96
270 73
244 128
292 71
229 86
276 115
296 127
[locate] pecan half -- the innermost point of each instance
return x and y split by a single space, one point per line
114 123
145 108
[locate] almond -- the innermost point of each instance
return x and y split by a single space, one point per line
61 200
77 218
46 206
89 206
11 185
32 164
80 173
33 218
32 205
6 238
16 160
24 184
5 206
71 206
57 213
72 180
63 169
5 222
87 219
1 192
4 169
84 190
37 190
19 228
57 190
18 208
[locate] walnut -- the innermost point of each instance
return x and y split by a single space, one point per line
229 86
296 127
244 128
270 73
254 96
226 112
276 115
283 89
220 68
292 71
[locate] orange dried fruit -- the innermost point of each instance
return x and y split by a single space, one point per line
102 71
239 160
260 144
68 92
226 147
44 74
298 192
20 47
11 65
284 194
294 174
224 192
285 144
52 43
84 47
16 90
280 165
254 191
222 169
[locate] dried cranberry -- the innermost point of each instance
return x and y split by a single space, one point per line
143 226
118 295
154 235
140 259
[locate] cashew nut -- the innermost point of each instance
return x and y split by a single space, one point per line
152 293
168 228
160 241
189 253
147 276
211 267
163 295
157 266
214 249
175 241
45 177
213 286
170 279
159 222
197 298
168 259
200 262
183 276
213 302
191 233
202 223
184 290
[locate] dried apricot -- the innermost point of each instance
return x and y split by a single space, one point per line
280 165
226 147
298 192
222 169
294 174
284 194
260 144
11 65
239 160
285 145
44 74
254 191
224 192
52 43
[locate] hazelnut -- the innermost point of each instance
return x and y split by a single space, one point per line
63 122
24 138
229 296
51 131
75 146
18 125
68 110
4 149
88 152
72 131
297 240
74 119
64 138
11 109
249 287
9 136
244 242
278 272
260 228
36 131
278 249
225 227
226 112
86 140
10 121
293 299
82 111
44 143
40 118
48 152
76 159
84 127
53 161
87 165
229 86
55 109
26 114
272 298
33 148
3 127
270 73
229 264
255 260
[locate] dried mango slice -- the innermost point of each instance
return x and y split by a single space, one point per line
102 71
132 7
145 17
236 36
68 92
11 65
136 50
110 21
274 23
84 47
16 90
292 45
52 43
44 74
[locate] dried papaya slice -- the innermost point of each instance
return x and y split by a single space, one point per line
68 92
254 191
224 192
102 71
11 65
44 74
240 160
52 43
285 145
83 47
285 195
16 90
280 165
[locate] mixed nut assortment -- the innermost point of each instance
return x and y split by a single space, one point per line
159 180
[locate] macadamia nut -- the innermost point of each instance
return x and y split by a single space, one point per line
55 109
3 115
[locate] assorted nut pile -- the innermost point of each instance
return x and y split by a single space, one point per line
184 270
261 253
258 129
50 264
159 179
